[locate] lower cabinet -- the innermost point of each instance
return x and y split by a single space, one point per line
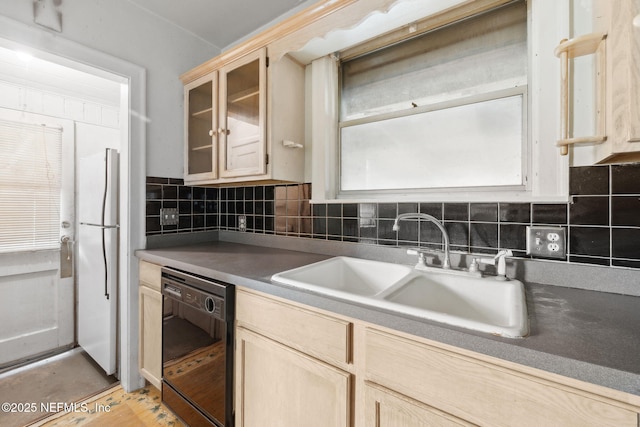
483 391
298 366
150 323
385 408
279 386
292 365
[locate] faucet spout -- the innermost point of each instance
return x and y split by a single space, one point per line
446 262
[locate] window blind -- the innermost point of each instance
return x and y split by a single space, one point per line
30 184
478 55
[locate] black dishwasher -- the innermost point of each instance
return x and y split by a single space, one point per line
197 348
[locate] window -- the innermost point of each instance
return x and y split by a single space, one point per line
30 184
446 109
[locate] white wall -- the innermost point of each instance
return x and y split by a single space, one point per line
120 29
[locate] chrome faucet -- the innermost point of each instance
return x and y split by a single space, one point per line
446 262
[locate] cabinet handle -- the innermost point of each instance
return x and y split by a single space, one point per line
211 132
223 131
569 49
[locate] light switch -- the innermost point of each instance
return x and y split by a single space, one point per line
169 216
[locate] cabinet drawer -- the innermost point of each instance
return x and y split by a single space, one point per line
480 392
319 335
150 275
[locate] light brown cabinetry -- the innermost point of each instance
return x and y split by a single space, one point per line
622 111
242 116
385 408
201 124
296 365
481 392
235 127
277 382
150 323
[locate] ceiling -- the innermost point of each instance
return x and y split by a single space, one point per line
220 22
25 70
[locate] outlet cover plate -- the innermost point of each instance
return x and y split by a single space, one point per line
547 242
169 216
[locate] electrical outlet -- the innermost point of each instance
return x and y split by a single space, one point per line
546 242
242 223
169 216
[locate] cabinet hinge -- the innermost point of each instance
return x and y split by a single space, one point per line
266 158
267 61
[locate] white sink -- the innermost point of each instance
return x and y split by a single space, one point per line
344 276
483 304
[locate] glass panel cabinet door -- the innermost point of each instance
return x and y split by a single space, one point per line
242 116
200 126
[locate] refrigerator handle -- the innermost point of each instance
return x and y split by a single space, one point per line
104 207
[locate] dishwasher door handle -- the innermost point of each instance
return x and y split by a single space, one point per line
172 292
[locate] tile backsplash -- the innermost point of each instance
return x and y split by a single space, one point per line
602 217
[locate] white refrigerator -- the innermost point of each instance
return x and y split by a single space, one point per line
97 267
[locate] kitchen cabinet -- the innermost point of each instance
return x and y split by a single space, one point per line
150 323
622 81
277 382
244 122
473 388
384 408
296 365
242 116
201 127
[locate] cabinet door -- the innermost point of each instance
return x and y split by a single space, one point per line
384 408
150 338
481 392
201 147
242 116
278 386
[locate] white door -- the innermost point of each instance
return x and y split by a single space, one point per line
98 256
36 211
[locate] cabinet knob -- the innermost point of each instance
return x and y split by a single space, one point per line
223 131
211 132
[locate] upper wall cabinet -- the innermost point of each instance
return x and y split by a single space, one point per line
242 116
244 122
619 76
201 118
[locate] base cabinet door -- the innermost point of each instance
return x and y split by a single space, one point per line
384 408
279 386
150 351
482 392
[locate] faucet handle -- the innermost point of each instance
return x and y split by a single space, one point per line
499 260
501 269
420 254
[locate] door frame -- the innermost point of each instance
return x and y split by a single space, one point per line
18 36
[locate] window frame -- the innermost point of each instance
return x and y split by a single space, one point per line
546 171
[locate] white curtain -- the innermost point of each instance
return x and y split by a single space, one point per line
324 118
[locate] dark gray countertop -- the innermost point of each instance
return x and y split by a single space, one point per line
582 334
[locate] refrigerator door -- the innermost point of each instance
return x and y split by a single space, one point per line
97 269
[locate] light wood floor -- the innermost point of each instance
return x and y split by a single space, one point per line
115 407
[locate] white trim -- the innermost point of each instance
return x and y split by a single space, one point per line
547 173
14 35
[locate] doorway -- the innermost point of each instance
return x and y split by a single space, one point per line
71 114
17 36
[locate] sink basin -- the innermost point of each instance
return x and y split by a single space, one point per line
483 304
344 276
